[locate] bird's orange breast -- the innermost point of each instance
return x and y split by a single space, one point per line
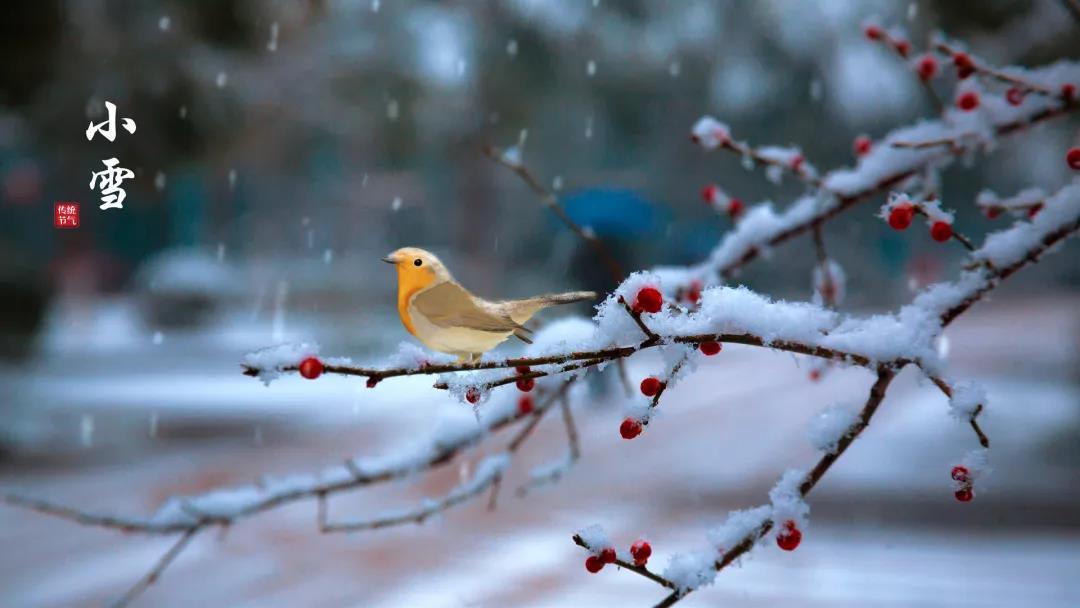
409 283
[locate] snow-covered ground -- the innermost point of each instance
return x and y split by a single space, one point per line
884 528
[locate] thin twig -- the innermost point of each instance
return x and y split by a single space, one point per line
992 72
155 573
551 201
947 390
640 570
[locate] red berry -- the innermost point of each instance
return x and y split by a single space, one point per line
472 395
311 368
608 556
789 538
522 369
873 32
650 386
708 193
993 212
960 473
862 145
648 300
903 47
968 101
640 550
815 375
797 161
630 428
900 217
371 382
1068 92
526 384
964 65
594 564
735 207
927 67
1015 96
710 348
694 293
1072 157
941 231
525 405
1034 210
964 494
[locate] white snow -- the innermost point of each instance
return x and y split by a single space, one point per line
710 133
831 425
595 537
966 397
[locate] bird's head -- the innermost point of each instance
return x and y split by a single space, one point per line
417 268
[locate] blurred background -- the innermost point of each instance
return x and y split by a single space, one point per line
282 147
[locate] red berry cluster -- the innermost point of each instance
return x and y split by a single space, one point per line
900 218
965 66
641 550
648 299
595 563
525 384
711 194
789 537
964 491
311 368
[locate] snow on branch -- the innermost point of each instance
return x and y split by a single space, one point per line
901 155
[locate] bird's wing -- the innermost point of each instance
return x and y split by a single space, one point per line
450 305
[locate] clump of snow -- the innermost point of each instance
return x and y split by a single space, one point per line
831 425
1006 247
977 462
689 571
737 526
710 133
595 537
1017 203
411 356
270 361
758 226
966 398
787 501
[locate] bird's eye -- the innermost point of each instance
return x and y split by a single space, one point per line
417 262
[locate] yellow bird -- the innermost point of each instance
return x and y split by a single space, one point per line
449 319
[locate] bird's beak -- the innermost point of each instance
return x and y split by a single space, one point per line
389 260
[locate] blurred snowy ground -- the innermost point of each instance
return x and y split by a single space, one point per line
121 428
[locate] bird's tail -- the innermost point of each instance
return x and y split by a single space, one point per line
565 298
522 310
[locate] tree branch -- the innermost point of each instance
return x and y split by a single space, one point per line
551 201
